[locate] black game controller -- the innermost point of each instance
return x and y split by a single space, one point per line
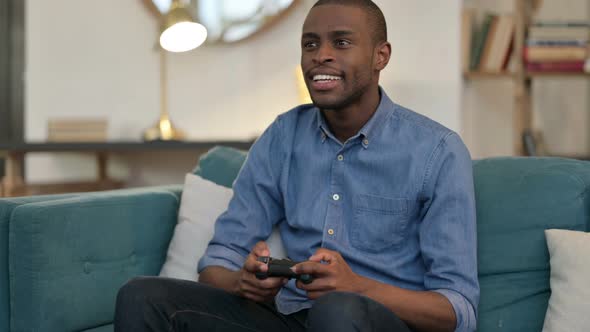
281 268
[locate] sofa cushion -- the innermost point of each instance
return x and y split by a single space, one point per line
570 272
221 165
69 257
517 199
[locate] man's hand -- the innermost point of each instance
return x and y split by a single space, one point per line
330 273
248 286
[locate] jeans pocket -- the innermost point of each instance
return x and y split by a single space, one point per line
379 222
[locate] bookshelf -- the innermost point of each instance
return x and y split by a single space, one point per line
522 119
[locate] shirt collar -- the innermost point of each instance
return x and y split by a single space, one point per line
322 125
384 110
370 128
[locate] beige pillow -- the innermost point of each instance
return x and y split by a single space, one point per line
202 202
569 305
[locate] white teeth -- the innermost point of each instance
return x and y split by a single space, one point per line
326 78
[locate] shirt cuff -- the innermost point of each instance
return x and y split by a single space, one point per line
464 311
218 255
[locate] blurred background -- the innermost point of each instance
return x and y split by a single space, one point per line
82 81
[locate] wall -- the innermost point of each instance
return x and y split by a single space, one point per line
97 58
560 105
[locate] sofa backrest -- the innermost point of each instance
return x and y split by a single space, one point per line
221 165
517 199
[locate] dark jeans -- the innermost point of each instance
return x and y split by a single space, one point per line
161 304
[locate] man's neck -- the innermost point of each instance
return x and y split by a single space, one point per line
348 121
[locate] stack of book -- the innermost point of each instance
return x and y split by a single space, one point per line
77 130
557 46
490 44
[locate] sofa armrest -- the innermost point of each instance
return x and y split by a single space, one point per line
69 257
7 206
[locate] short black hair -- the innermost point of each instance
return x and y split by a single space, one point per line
374 13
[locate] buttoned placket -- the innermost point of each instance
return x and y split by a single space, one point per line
334 215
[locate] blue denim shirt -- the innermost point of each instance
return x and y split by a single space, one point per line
396 201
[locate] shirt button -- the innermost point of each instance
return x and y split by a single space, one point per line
331 231
340 157
336 197
366 141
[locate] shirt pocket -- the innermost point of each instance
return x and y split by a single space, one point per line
378 222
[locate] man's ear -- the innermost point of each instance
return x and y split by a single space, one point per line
383 52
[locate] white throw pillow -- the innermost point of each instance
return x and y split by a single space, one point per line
569 305
202 203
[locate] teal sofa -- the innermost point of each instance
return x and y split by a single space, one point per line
63 258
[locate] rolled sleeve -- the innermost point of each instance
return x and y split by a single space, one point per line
448 238
219 255
256 205
464 311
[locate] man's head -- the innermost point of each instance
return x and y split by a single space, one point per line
344 48
375 16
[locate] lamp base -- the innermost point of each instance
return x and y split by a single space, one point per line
163 130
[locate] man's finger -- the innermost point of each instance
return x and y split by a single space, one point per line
318 284
313 268
323 255
261 249
253 266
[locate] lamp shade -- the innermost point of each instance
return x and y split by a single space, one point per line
180 33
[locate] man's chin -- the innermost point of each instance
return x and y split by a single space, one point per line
328 104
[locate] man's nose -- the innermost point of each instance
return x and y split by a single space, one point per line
324 54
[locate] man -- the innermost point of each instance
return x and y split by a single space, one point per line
375 200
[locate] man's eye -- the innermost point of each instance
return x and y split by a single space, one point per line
342 42
310 44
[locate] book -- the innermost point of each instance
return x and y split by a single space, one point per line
487 49
559 33
550 53
564 66
479 41
549 42
562 24
77 130
498 44
76 137
467 34
508 54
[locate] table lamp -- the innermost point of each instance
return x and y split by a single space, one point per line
180 33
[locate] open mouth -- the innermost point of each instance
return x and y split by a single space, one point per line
326 78
322 82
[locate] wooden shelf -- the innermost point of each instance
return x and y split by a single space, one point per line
490 75
475 75
557 74
522 121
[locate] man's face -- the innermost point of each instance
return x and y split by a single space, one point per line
337 55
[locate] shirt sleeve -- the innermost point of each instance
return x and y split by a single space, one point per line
256 205
448 238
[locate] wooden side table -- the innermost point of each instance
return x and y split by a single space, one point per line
13 182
